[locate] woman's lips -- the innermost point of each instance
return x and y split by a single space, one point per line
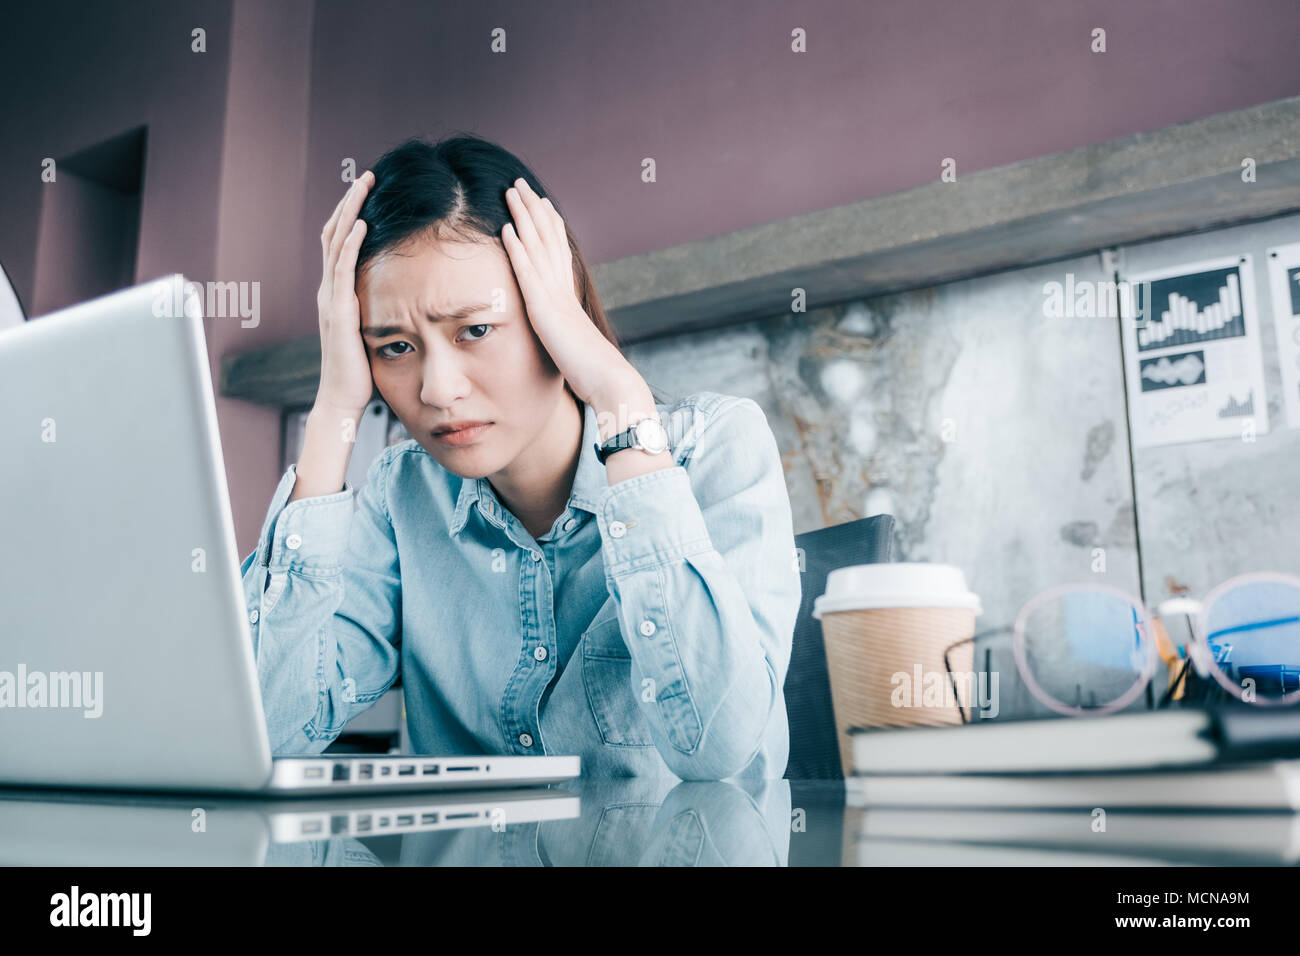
464 436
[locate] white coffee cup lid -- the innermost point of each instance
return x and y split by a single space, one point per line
904 584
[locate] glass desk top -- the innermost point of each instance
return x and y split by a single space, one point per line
609 822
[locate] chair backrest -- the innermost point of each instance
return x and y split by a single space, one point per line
814 751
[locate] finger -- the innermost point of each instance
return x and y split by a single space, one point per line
347 216
327 233
543 218
542 212
530 284
345 268
526 228
562 255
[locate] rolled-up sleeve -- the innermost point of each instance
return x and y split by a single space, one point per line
699 558
323 590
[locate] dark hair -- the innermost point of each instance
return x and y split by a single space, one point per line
456 188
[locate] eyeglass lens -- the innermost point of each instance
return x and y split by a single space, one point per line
1253 631
1086 649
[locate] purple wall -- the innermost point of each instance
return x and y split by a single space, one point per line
75 74
743 130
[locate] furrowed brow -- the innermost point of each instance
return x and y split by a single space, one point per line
380 331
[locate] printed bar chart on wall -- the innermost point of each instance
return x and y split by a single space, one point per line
1192 353
1284 287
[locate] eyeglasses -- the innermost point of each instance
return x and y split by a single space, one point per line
1092 649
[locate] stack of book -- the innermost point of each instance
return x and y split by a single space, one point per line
1195 786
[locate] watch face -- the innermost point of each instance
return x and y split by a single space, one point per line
651 436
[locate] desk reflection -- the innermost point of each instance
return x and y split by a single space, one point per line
631 822
591 822
625 822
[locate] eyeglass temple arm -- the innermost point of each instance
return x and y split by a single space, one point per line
947 666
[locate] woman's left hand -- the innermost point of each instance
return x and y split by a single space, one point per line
538 248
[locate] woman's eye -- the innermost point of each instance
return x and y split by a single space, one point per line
479 332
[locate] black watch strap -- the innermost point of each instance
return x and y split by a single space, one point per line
623 439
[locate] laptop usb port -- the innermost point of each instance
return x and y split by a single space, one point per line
406 820
430 769
429 818
406 770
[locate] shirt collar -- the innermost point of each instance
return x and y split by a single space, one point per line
588 482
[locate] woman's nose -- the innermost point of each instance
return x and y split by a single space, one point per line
444 380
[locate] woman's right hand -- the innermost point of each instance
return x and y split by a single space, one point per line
345 381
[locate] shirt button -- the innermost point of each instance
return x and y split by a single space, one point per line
568 525
617 529
293 542
536 556
647 628
252 616
539 652
526 739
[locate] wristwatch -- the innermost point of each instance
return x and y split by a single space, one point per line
647 435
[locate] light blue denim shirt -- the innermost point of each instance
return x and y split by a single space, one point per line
648 631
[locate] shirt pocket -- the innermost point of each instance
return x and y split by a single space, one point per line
607 680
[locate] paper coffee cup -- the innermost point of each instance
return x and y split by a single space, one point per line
885 628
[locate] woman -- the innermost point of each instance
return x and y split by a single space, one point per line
534 598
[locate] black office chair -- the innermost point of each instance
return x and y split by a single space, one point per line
814 751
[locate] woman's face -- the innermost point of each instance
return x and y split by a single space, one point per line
449 341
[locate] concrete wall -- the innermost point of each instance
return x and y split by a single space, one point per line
1211 510
994 435
997 436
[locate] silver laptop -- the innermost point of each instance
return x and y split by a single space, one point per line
125 655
